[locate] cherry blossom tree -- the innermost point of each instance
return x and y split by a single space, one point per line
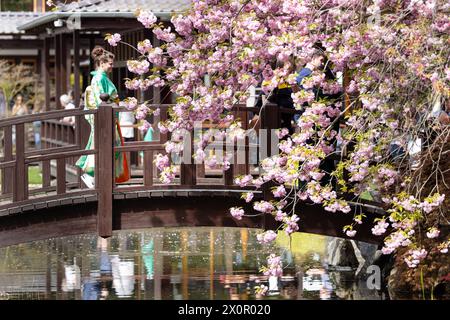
380 76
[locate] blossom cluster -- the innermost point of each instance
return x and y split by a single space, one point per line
210 57
274 266
237 213
267 236
415 256
113 39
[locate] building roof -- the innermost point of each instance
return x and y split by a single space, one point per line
157 6
110 9
10 20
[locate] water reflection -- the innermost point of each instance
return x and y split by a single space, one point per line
172 263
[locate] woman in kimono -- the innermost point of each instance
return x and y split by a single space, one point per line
100 84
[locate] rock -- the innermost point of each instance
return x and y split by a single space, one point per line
340 252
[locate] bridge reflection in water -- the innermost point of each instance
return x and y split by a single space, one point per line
173 263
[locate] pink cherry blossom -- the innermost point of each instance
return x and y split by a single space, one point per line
144 126
274 266
164 34
147 18
142 112
433 233
144 46
415 257
212 53
279 192
114 39
282 133
248 196
161 161
350 233
432 202
263 206
280 215
138 66
237 213
266 237
130 103
244 180
132 84
380 227
291 224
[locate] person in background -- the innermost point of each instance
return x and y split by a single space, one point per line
70 94
20 108
319 61
66 103
123 276
147 137
126 121
37 126
101 84
3 108
281 96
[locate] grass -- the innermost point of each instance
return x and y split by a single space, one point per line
302 242
34 175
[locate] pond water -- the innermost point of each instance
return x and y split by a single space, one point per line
176 263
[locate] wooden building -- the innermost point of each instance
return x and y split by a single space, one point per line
74 30
16 46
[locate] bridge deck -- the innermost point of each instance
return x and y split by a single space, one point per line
51 199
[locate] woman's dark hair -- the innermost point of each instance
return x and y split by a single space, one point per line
100 55
319 50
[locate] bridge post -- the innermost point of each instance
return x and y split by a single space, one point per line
228 175
347 101
21 176
188 172
105 169
7 173
270 120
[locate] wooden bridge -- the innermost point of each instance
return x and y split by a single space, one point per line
65 206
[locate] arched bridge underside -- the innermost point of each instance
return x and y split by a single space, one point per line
165 208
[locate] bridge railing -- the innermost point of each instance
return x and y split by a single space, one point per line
190 174
63 144
18 155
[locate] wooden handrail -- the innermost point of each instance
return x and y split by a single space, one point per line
49 115
62 149
56 156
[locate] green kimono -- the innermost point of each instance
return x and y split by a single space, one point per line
100 83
